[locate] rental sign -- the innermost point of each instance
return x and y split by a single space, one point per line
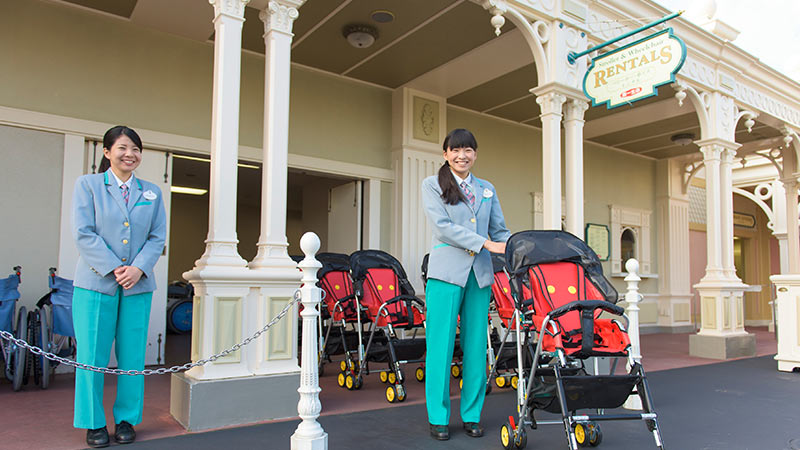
635 71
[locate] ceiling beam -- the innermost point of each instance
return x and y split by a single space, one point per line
762 144
491 60
638 116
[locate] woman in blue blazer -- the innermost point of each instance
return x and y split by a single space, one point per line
467 224
119 226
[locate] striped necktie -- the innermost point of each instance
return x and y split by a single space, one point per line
468 193
125 192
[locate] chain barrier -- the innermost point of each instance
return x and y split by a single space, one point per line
160 371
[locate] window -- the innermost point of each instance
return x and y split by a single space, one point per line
630 238
627 245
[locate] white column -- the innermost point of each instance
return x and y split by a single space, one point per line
550 103
711 161
372 216
222 241
792 238
278 18
789 180
573 143
779 222
726 212
309 434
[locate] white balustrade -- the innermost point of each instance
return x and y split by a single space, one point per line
632 298
309 434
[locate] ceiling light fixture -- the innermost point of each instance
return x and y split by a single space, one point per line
187 190
382 16
360 36
195 158
682 138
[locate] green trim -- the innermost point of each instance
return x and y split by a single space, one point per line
440 246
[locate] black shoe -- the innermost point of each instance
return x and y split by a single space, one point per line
123 433
97 438
473 429
440 432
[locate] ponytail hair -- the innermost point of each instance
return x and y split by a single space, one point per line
458 138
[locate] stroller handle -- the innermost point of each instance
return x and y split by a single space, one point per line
582 305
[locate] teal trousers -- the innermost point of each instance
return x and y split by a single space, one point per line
444 303
99 319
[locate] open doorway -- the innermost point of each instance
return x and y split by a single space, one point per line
328 205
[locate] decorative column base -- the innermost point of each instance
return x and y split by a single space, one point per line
722 347
722 334
675 313
788 314
232 304
205 404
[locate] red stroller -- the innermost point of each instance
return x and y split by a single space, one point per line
559 293
387 298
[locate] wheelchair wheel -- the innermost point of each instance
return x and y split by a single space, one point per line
33 366
19 353
45 331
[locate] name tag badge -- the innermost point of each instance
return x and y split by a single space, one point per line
150 195
487 193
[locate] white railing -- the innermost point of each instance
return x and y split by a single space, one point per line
632 298
309 434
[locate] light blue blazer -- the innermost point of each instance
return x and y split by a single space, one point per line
110 234
459 232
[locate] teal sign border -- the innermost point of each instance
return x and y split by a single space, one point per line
655 86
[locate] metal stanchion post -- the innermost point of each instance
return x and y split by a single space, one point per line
309 434
632 298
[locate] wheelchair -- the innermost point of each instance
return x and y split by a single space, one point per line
14 356
50 328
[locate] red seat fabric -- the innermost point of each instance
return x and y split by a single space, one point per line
382 285
337 286
556 284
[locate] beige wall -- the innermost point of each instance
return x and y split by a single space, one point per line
30 189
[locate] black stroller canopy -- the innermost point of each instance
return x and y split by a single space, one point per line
363 260
498 262
528 248
333 262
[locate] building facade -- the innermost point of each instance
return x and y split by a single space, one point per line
283 120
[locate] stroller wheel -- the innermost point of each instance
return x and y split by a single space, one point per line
349 382
359 381
392 378
514 382
455 370
461 383
340 379
401 393
506 436
521 439
581 434
595 434
343 365
384 376
391 394
420 374
500 382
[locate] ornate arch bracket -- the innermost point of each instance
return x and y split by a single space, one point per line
536 34
689 172
763 192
